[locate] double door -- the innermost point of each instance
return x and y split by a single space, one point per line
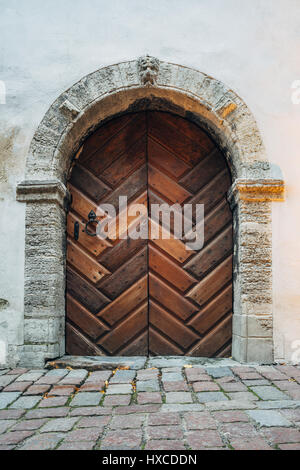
137 295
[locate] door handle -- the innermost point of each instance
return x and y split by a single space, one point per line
76 231
92 219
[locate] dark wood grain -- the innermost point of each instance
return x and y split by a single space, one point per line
139 297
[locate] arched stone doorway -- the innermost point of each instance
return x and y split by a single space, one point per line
148 294
147 84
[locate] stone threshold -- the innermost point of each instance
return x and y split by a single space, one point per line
93 363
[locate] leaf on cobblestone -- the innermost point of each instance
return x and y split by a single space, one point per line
46 395
133 386
188 366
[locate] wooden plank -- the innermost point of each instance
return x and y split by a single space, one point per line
85 264
214 340
213 192
169 298
158 343
128 329
169 270
126 302
175 141
207 258
78 345
188 128
219 217
166 161
82 205
84 292
204 172
226 351
212 283
170 326
153 198
213 311
166 186
94 245
87 183
123 222
214 221
173 246
117 145
125 276
103 134
121 252
84 320
130 161
131 187
137 347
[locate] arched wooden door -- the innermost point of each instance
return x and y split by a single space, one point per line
136 296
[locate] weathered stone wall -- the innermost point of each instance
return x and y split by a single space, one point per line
44 286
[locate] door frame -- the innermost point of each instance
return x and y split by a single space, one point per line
147 84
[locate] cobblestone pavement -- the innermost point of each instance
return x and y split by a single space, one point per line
158 405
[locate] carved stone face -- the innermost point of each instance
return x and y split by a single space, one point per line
148 68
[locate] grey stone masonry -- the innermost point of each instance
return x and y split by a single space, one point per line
44 322
268 418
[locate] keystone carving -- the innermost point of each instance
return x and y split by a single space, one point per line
148 68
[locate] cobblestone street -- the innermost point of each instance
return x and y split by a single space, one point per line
154 404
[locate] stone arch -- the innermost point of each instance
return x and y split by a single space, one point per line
147 83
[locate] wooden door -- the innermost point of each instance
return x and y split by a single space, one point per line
134 296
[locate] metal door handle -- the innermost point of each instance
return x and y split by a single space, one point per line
76 231
92 220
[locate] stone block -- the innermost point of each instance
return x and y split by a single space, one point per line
179 397
6 398
25 403
147 386
269 393
204 397
268 418
119 389
59 425
86 399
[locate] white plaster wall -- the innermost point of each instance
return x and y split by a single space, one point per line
253 47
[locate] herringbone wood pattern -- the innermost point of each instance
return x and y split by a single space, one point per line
134 297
